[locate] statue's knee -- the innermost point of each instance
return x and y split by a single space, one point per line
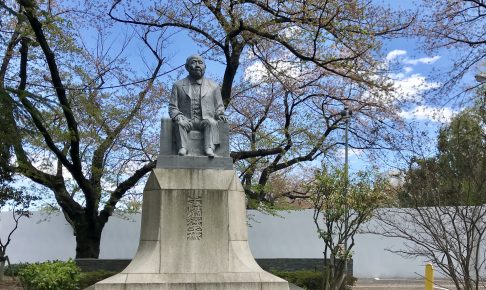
209 122
185 127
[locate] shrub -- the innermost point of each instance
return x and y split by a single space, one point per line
13 269
306 279
351 281
89 278
310 280
51 275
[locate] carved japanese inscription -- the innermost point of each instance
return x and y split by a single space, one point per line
194 216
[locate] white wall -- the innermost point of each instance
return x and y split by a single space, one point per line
41 238
295 236
38 238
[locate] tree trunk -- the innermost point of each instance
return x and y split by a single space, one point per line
2 268
230 72
88 237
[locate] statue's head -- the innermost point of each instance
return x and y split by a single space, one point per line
195 66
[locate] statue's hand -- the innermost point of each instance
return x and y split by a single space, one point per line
222 118
184 122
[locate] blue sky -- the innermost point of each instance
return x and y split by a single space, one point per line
412 79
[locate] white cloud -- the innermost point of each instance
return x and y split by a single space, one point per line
405 88
410 61
429 113
411 87
290 31
396 76
395 53
257 71
424 60
352 152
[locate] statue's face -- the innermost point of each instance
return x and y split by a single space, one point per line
196 67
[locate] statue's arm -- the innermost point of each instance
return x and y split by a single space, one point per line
219 108
174 111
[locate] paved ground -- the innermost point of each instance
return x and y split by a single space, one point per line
362 284
9 284
400 284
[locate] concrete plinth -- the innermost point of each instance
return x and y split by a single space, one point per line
194 236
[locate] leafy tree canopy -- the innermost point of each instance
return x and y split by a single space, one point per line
457 174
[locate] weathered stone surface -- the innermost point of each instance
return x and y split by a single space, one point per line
196 179
241 259
161 278
238 230
116 282
194 251
151 216
152 183
146 259
175 161
228 281
194 236
198 281
272 282
116 279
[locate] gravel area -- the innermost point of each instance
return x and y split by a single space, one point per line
10 284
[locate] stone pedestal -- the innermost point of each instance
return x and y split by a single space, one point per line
196 158
194 236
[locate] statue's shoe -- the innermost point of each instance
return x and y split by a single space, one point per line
210 152
182 151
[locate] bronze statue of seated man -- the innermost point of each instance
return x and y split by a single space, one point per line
196 104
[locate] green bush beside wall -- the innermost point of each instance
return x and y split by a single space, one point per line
310 280
51 275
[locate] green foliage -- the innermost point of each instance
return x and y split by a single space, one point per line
51 275
82 120
306 279
444 198
310 280
341 206
14 269
337 199
455 176
83 280
89 278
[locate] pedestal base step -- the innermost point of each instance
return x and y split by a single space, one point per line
192 281
194 162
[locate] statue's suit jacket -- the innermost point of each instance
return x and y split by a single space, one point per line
211 101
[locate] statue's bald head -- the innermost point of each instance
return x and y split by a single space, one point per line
192 57
195 66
